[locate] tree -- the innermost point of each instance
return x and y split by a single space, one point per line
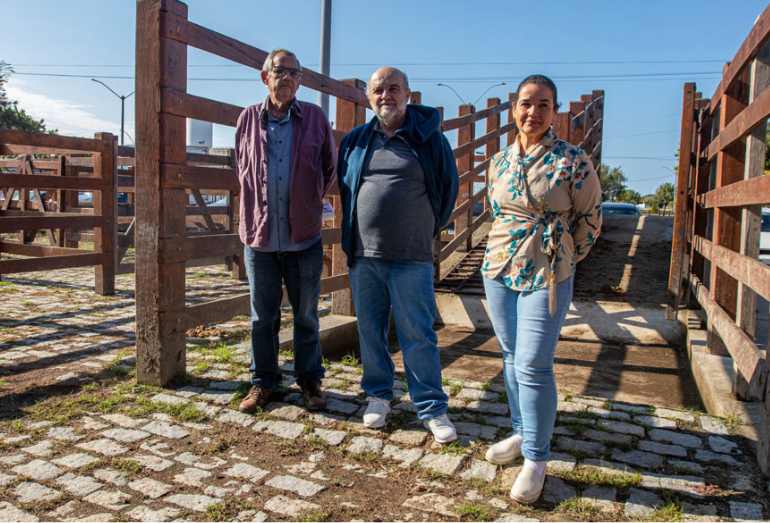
629 196
665 194
10 116
613 182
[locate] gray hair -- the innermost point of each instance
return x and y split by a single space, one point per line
403 74
268 65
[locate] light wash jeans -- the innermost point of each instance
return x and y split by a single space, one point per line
406 287
301 272
528 334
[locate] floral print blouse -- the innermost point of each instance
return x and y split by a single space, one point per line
547 212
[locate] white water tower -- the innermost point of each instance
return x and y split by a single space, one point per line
200 136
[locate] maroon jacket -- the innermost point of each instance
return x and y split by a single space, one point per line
313 163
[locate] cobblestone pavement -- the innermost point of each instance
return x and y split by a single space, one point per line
81 441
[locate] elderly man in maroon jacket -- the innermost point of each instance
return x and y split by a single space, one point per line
286 162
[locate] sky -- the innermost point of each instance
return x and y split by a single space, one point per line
639 53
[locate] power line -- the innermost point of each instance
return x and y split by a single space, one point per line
638 158
643 134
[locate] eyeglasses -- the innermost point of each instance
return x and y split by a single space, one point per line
280 71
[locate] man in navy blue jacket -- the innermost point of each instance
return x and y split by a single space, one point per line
398 185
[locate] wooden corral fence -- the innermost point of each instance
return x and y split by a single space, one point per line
163 174
721 188
38 196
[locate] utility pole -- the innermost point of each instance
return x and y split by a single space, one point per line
326 38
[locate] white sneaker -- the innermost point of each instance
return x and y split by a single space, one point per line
504 451
528 486
442 429
375 414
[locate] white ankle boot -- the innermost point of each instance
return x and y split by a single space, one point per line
504 451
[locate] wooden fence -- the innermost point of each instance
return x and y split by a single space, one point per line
37 196
721 188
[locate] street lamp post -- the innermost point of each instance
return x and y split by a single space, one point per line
122 108
477 99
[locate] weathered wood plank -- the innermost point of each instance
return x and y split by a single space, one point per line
51 263
60 221
52 142
196 177
200 108
44 181
462 121
753 191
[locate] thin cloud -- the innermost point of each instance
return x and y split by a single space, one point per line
70 118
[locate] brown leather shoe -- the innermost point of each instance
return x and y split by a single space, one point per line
256 399
315 399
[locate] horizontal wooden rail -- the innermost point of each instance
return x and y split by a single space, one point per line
26 249
747 357
59 221
754 191
54 263
175 176
744 122
452 246
462 121
472 146
460 209
476 171
44 181
750 272
205 39
199 108
54 143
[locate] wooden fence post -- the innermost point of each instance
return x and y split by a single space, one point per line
686 160
511 135
349 116
437 240
105 205
598 117
465 134
577 132
493 147
727 221
161 65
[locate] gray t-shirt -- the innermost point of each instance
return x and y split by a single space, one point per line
394 219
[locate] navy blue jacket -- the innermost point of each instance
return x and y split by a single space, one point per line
421 133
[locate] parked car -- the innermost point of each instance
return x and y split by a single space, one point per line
764 234
620 208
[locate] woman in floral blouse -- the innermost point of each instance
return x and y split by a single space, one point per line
546 202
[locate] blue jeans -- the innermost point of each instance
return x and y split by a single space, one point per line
527 335
301 272
406 287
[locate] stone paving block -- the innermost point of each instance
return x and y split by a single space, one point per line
570 406
653 421
343 407
722 445
576 445
124 421
282 429
196 502
636 409
30 492
324 418
155 463
713 425
113 500
410 437
193 477
42 449
405 405
145 513
556 490
104 446
151 488
663 448
208 463
115 477
125 435
405 456
226 385
614 437
510 516
10 513
207 409
284 411
476 394
559 430
331 437
690 485
741 511
609 414
480 470
246 471
14 459
5 479
300 487
38 470
233 416
674 414
641 503
90 424
646 460
445 464
432 503
677 438
365 445
218 492
157 447
166 430
706 455
64 433
292 508
169 399
562 462
501 422
78 485
500 409
607 467
599 496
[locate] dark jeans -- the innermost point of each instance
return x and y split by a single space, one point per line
300 271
